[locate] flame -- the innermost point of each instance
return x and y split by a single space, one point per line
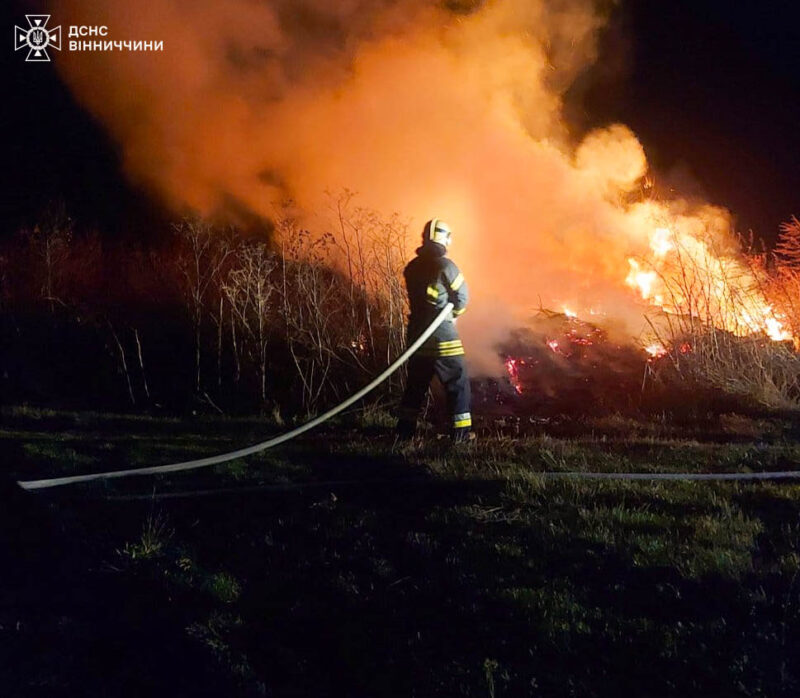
656 350
643 281
661 242
719 290
512 369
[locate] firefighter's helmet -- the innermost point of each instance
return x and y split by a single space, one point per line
436 230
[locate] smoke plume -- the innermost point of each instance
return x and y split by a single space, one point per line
451 110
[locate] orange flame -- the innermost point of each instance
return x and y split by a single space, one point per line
684 275
656 351
512 368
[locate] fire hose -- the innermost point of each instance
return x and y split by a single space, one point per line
311 424
255 448
284 487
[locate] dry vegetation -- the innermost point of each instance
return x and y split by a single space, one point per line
708 342
278 322
285 323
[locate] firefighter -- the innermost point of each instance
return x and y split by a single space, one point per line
432 280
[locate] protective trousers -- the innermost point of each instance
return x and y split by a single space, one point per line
452 372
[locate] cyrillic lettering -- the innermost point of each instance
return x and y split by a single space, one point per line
102 30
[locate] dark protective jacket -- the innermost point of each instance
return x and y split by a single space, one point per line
432 281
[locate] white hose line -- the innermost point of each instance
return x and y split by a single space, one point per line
324 484
767 475
256 448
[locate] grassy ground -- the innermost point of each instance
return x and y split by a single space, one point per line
418 571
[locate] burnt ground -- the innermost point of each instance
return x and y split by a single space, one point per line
341 566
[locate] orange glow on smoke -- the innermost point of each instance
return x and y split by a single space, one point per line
421 111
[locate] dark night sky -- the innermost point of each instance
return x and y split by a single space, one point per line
710 87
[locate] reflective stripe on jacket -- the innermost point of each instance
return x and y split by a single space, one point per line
432 281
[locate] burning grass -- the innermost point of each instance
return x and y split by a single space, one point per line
560 364
724 322
720 328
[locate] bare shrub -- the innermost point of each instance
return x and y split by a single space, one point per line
49 243
313 307
201 259
373 251
249 289
342 297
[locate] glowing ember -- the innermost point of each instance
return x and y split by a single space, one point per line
656 351
553 344
512 368
570 313
581 341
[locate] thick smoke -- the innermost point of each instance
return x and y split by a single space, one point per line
428 110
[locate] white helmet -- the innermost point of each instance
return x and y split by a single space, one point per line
436 231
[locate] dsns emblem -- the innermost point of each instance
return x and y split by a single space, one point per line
37 38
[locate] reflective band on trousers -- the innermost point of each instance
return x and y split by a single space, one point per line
462 420
452 347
